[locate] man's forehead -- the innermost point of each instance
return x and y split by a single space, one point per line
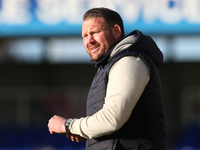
95 19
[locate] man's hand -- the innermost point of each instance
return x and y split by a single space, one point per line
75 138
56 124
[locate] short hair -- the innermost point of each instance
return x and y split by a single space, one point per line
111 17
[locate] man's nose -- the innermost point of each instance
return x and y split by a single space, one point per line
91 39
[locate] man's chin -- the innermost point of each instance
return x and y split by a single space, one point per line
97 59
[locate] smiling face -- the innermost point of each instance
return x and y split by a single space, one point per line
97 38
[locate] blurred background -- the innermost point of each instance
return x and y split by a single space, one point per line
45 70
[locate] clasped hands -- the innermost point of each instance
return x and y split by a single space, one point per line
56 125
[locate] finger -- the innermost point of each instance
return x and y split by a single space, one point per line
48 125
73 139
77 139
53 132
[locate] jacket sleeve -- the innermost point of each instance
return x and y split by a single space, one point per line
127 80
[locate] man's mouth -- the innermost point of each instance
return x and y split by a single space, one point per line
94 49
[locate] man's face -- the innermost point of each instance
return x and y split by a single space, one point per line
97 39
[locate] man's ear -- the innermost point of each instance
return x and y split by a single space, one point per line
116 31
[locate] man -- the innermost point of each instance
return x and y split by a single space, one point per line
124 105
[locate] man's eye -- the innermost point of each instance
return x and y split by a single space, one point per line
96 32
84 36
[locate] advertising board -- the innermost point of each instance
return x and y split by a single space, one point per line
64 17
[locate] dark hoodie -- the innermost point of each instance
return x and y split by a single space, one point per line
147 120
